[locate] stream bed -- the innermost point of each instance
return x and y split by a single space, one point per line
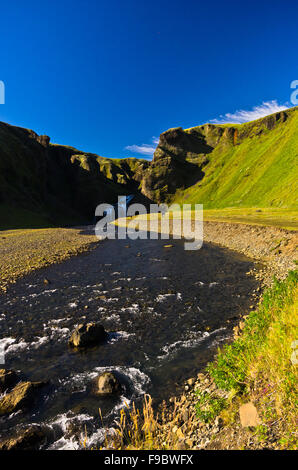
166 310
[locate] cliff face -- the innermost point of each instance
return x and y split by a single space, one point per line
253 164
177 164
58 184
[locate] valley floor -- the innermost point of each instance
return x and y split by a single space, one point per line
258 361
22 251
268 217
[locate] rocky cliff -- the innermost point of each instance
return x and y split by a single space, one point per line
249 165
42 183
226 165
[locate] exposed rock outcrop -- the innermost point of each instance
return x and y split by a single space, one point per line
58 184
20 397
107 384
54 184
87 334
177 164
27 439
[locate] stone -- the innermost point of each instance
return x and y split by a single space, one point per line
20 397
249 415
44 140
191 382
28 439
87 335
8 378
107 384
218 422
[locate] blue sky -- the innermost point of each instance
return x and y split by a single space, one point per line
109 76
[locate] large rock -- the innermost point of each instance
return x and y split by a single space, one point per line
28 439
21 396
177 164
249 415
107 384
87 335
8 378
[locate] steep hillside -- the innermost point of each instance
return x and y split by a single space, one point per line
43 184
248 165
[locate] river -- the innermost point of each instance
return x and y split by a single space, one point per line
166 310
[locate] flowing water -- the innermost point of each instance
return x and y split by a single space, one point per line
166 311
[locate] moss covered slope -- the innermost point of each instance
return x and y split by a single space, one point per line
248 165
43 184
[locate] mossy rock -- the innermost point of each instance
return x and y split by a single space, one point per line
21 396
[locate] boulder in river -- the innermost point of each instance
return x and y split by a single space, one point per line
88 334
31 438
21 396
8 378
107 384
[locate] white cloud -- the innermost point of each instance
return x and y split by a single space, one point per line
144 149
266 108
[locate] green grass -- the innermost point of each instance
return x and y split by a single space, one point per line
261 170
274 217
254 367
257 366
208 407
277 217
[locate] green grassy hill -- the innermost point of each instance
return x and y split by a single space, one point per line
251 165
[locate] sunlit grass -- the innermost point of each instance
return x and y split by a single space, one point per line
258 366
275 217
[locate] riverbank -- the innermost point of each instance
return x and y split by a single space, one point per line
274 246
24 251
179 418
160 329
246 399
